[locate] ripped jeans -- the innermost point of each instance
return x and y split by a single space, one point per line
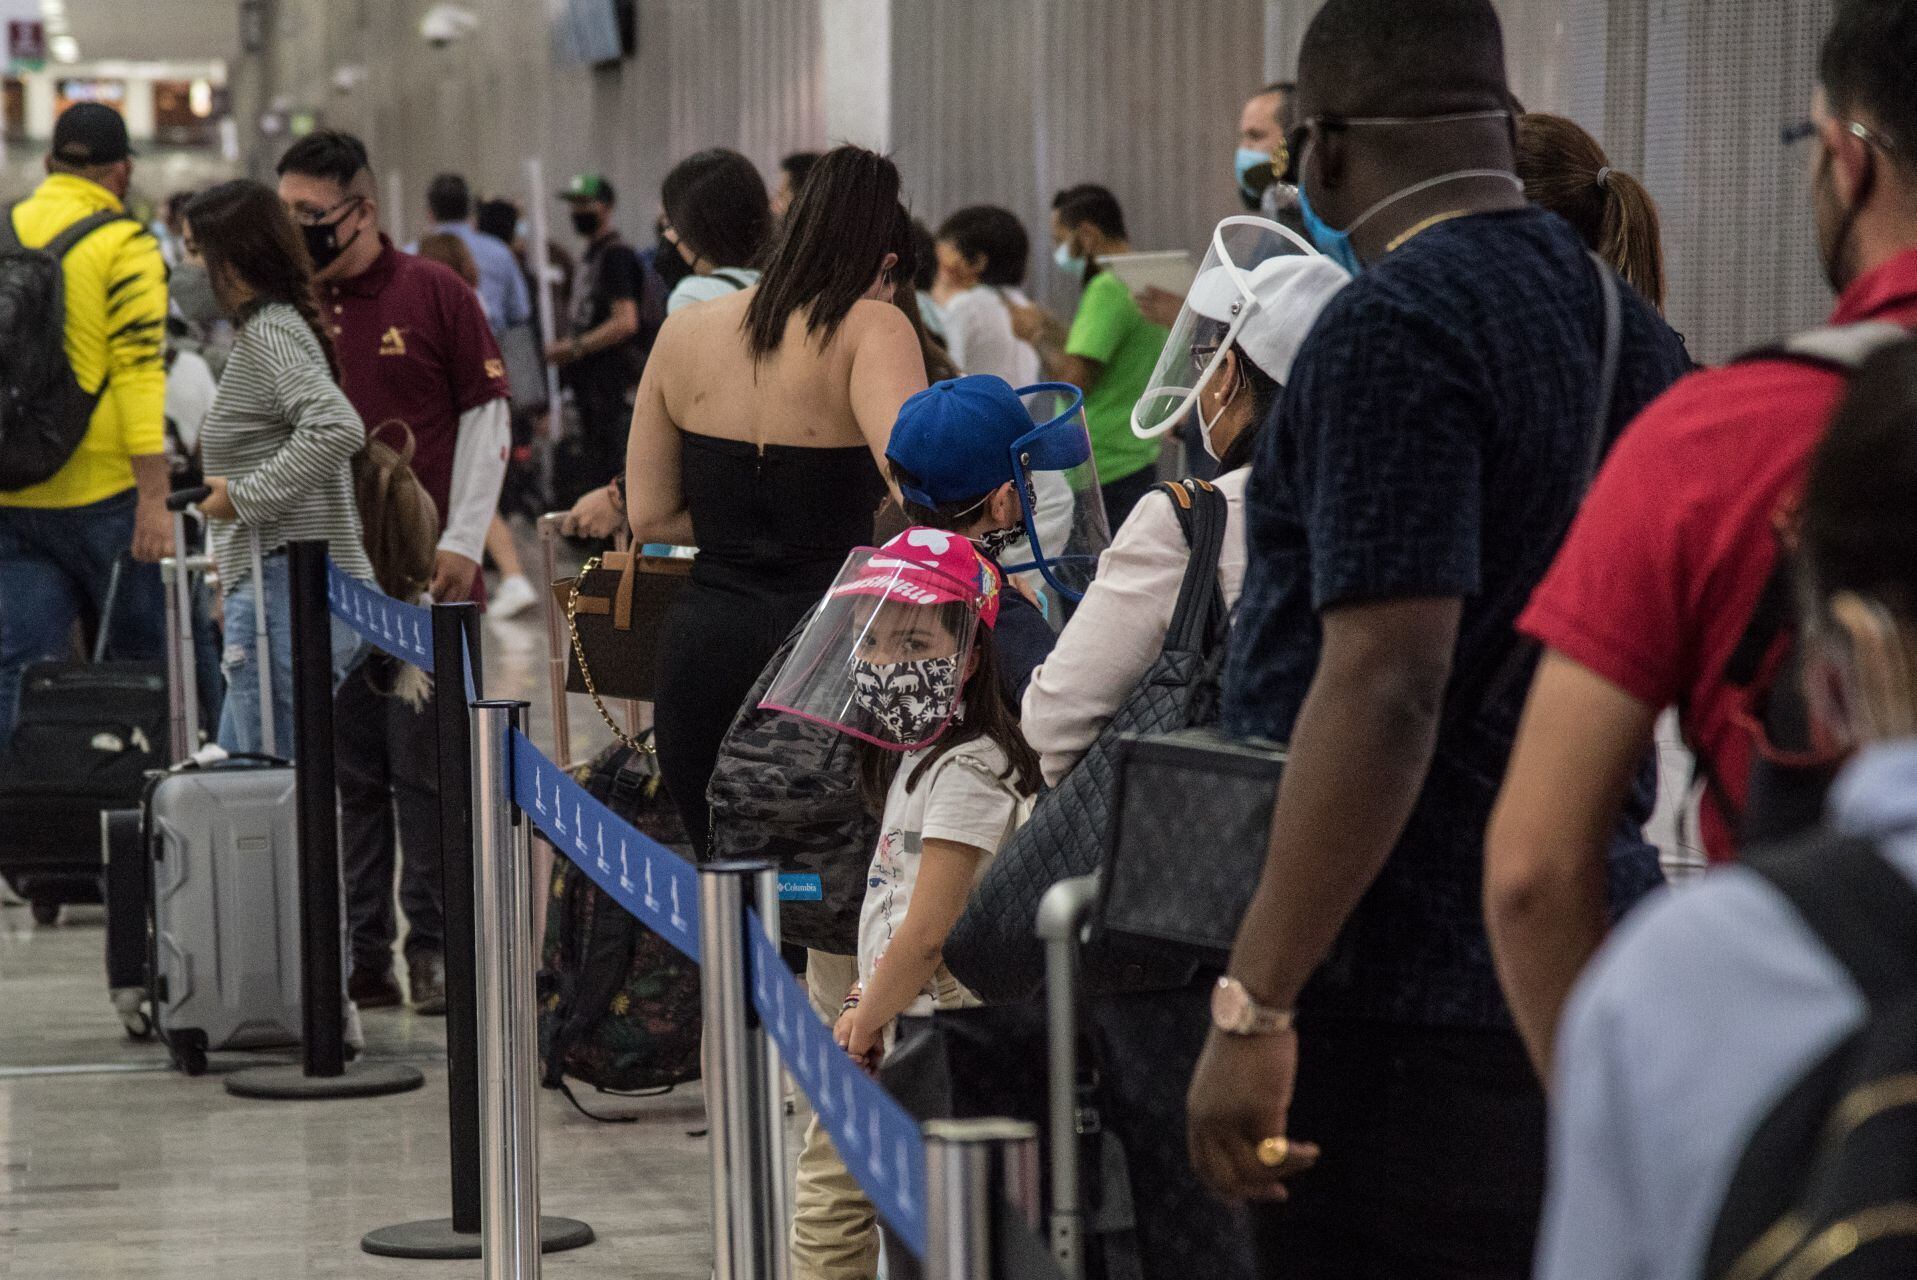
240 717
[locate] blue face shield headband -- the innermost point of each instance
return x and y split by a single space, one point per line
1063 513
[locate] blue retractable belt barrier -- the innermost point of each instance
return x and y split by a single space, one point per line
878 1141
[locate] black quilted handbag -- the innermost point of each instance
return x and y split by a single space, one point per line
993 949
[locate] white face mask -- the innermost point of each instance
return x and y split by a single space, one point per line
1206 425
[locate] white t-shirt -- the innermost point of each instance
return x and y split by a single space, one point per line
978 334
961 797
705 288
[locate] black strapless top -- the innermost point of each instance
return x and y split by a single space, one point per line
778 519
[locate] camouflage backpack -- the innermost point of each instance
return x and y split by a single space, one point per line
787 790
618 1004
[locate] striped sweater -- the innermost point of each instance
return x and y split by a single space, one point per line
284 435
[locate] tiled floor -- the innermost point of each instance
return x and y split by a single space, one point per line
111 1165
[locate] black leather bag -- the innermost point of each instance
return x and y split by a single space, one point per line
1188 840
993 949
615 611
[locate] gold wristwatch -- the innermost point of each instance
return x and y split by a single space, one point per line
1236 1013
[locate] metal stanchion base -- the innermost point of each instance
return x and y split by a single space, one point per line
435 1238
289 1081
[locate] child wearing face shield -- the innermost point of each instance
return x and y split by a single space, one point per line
951 454
903 657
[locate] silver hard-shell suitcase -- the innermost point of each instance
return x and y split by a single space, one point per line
223 843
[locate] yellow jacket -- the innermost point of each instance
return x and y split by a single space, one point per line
116 335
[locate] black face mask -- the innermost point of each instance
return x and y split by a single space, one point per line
322 242
666 260
586 222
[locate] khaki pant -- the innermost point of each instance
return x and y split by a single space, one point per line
834 1227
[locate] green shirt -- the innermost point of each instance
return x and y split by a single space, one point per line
1110 329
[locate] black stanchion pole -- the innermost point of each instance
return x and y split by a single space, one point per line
455 636
323 1071
452 625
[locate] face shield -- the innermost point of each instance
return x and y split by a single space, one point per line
886 655
1063 510
1220 303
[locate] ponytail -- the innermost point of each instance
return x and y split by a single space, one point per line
1565 170
1628 238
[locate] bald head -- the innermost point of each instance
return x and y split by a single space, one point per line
1402 58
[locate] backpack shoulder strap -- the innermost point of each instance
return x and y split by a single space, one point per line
1610 356
1201 512
63 244
1861 908
9 237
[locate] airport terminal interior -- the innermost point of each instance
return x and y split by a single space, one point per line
1253 639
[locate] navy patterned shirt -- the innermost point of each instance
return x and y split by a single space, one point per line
1433 441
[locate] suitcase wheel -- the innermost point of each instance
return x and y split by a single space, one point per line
138 1025
46 911
189 1051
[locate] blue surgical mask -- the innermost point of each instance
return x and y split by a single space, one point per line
1335 245
1068 262
1244 162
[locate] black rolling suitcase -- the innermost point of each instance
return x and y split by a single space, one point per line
85 737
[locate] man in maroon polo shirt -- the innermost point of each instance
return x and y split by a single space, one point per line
1656 586
413 347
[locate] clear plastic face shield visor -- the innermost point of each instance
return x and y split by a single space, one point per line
886 654
1216 309
1063 509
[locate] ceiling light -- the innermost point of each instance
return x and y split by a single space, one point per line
64 48
53 8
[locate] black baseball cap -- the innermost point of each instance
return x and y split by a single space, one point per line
90 133
588 186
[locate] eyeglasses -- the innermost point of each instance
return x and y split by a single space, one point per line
308 216
1791 134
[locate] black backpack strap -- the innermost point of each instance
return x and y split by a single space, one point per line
61 245
1610 356
1861 908
9 237
1199 618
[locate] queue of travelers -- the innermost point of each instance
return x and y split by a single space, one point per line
1483 521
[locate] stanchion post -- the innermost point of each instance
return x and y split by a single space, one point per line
323 1071
455 642
508 1036
1062 913
748 1171
970 1165
779 1192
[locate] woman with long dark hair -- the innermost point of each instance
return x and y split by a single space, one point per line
718 221
277 445
758 437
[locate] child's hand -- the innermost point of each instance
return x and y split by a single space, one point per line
857 1039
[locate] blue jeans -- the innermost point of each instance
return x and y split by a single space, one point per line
53 565
240 717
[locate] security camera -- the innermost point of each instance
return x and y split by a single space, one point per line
446 24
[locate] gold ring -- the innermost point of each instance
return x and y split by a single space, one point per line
1272 1152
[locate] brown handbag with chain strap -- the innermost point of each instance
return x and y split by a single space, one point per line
615 612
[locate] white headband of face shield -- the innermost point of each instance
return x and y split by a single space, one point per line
1242 310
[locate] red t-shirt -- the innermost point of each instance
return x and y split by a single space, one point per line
1657 581
413 344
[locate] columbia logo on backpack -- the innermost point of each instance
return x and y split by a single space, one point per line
44 411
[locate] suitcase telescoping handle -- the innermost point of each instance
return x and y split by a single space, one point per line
262 652
185 690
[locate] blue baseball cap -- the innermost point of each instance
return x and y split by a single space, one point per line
956 437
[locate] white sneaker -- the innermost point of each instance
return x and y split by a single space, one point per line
513 597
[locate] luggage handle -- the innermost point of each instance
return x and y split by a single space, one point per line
177 502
